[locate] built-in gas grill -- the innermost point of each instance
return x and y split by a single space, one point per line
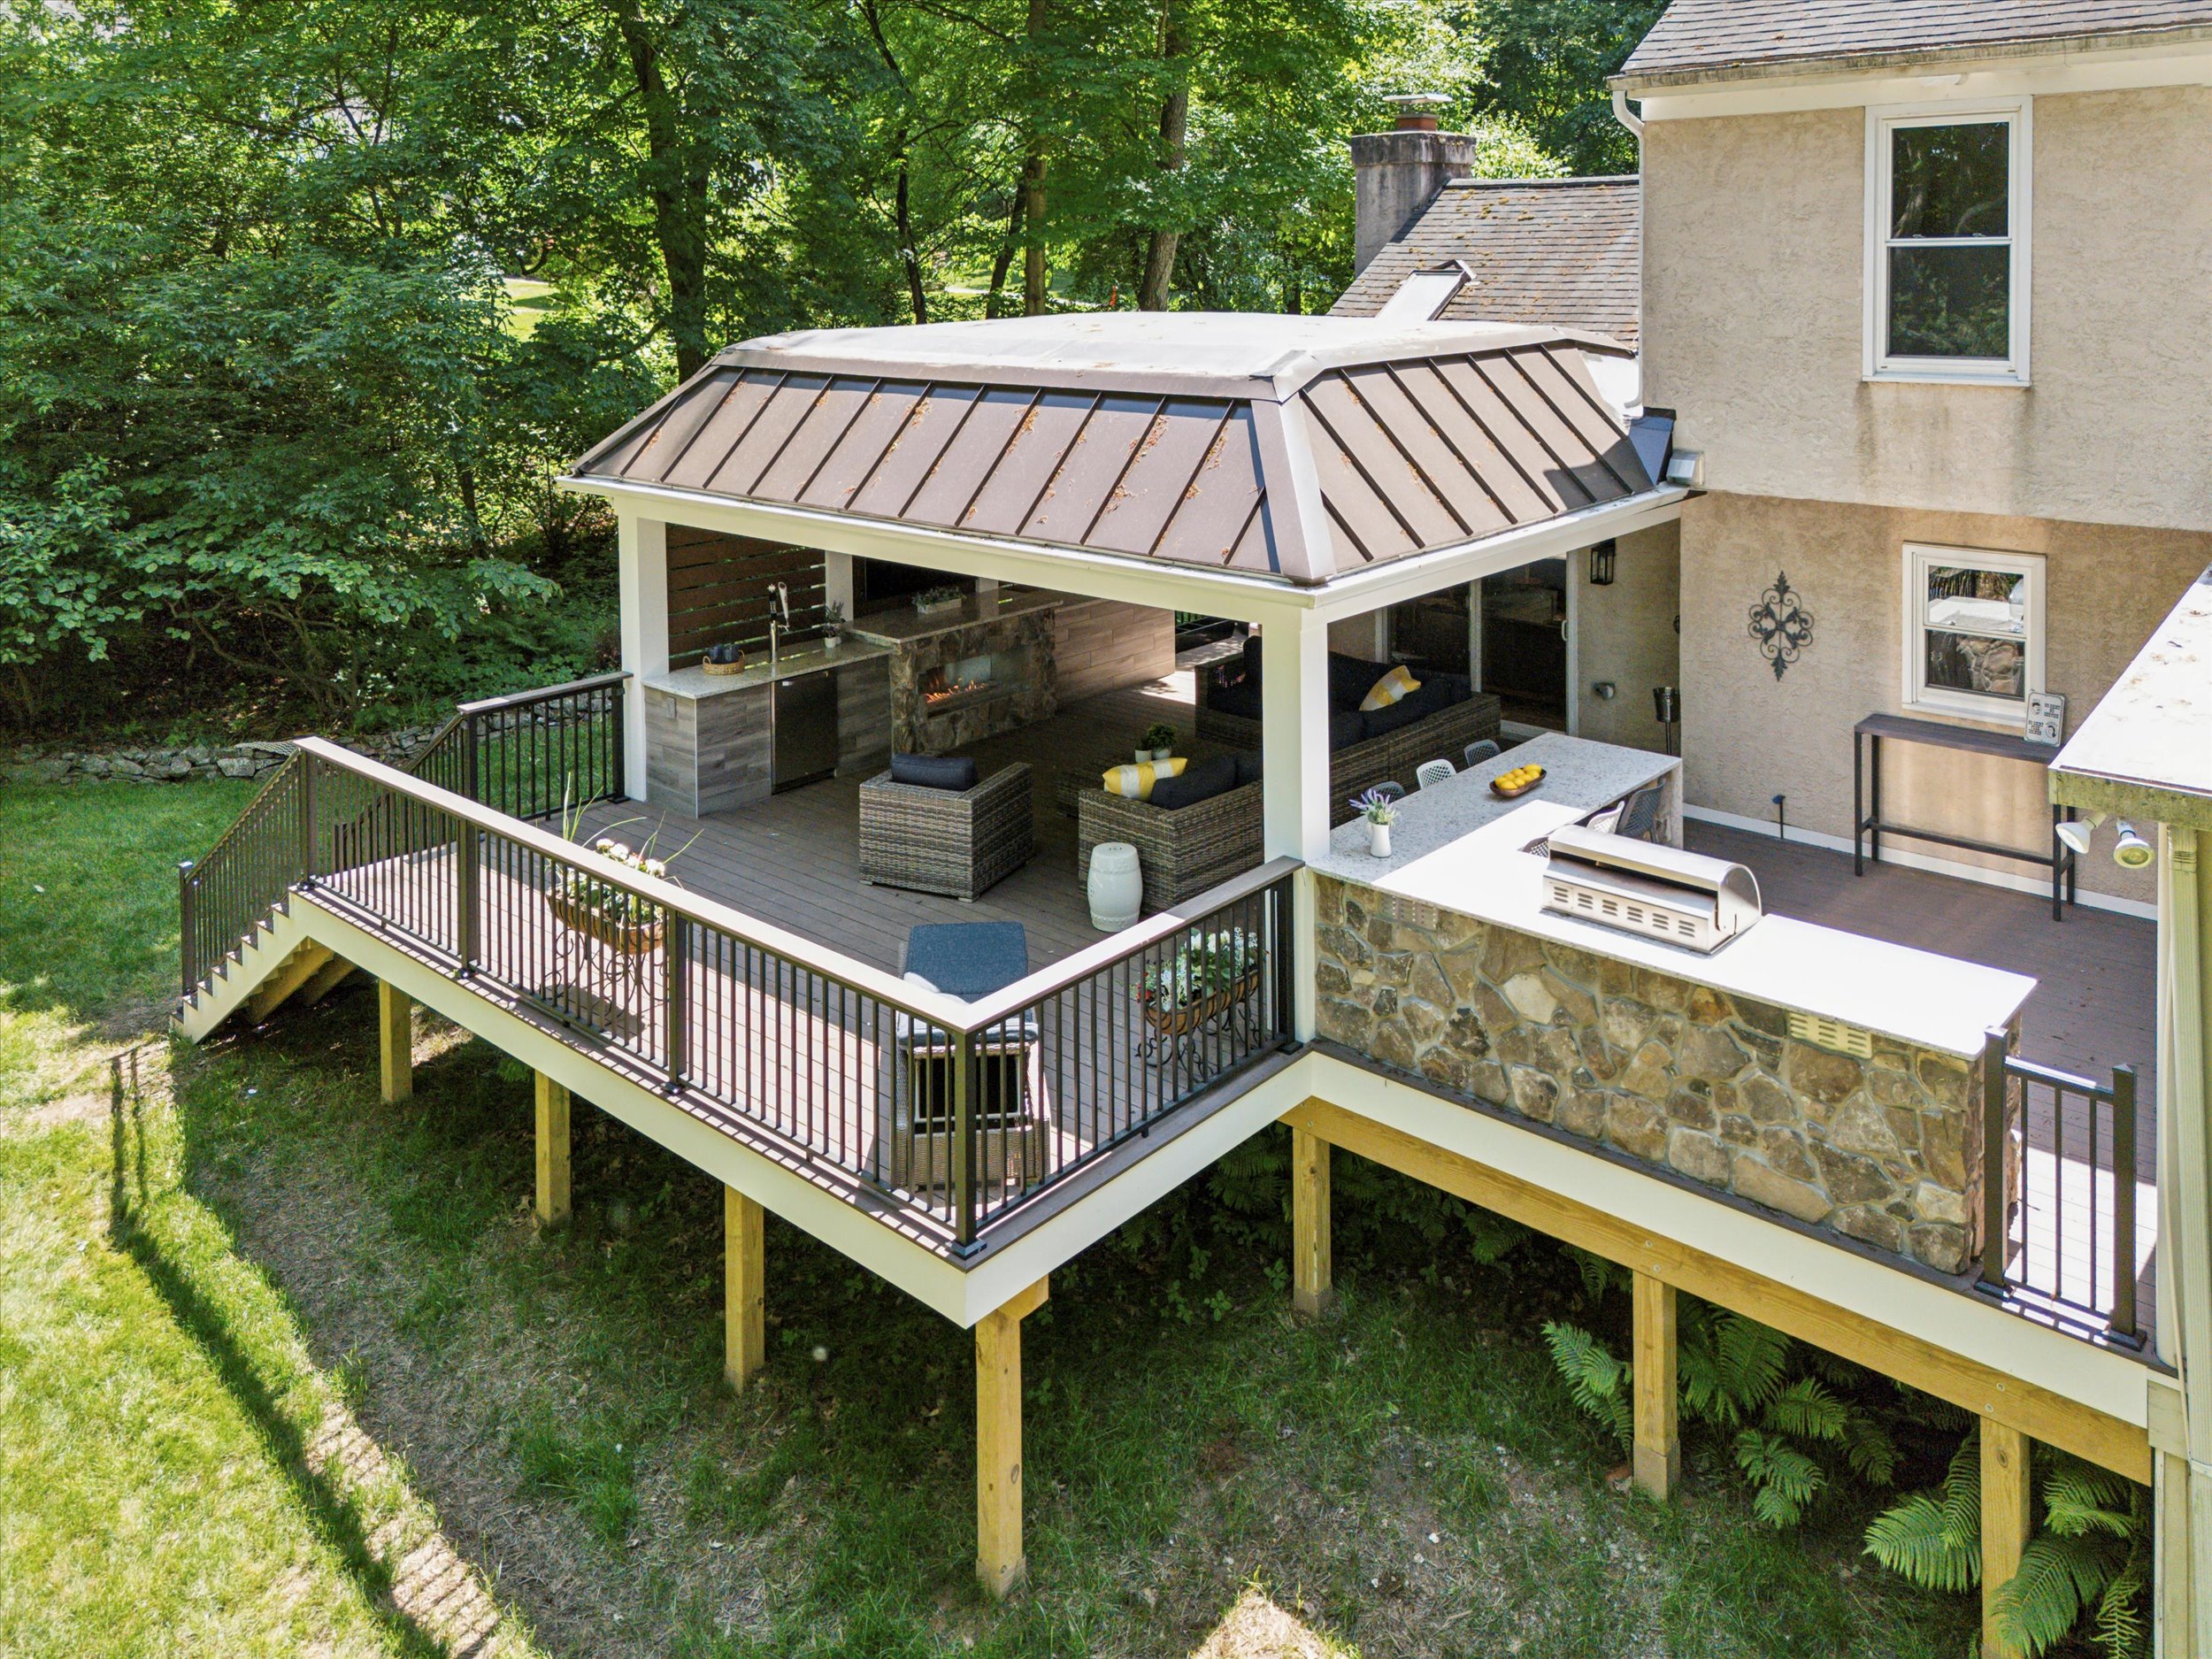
1646 887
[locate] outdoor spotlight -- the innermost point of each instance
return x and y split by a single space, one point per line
2132 852
1601 564
2075 834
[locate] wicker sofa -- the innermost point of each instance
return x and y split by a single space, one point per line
958 842
1183 851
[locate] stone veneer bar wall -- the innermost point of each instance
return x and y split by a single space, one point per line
1886 1151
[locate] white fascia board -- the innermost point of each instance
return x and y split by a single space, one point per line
1159 583
1444 567
1005 1272
1241 597
1933 1314
2174 64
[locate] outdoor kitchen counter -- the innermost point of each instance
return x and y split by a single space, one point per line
809 657
1460 848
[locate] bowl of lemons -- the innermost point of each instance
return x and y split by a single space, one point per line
1519 781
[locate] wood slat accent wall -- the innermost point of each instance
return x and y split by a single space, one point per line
717 589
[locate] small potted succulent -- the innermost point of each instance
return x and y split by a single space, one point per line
1157 743
833 623
932 600
1378 810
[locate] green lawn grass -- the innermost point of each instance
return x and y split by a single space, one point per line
283 1369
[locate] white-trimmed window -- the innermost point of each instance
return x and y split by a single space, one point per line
1973 631
1946 279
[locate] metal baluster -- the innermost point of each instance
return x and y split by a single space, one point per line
2124 1204
1993 1275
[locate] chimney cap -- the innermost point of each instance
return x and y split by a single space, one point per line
1416 110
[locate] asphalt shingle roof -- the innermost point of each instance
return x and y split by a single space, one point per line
1561 252
1699 37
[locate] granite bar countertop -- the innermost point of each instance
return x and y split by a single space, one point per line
1459 847
809 657
905 626
1581 776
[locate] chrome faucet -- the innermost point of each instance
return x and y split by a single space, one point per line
779 605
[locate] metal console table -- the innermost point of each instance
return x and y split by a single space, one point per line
1868 826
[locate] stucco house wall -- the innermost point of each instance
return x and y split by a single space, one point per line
1625 633
1747 736
1754 238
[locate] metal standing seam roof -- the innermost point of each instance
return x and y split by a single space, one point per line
1293 446
1700 39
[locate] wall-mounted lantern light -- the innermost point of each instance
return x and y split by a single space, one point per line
1601 564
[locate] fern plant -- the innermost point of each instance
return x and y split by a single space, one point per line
2088 1567
1787 1403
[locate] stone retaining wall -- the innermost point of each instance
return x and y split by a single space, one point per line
196 760
1884 1149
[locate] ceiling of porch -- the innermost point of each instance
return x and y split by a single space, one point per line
1293 448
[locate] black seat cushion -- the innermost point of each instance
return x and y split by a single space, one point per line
1241 699
1252 657
1351 679
1247 766
1347 727
956 773
1437 692
1201 781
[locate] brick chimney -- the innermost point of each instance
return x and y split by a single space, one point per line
1395 173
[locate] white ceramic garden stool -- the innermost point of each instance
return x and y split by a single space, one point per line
1117 886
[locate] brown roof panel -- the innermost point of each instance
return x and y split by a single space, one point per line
1172 451
1183 437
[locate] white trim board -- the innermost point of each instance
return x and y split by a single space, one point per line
1928 1312
2014 880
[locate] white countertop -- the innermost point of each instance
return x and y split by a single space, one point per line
809 658
1467 857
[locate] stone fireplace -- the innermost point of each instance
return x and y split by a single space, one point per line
959 676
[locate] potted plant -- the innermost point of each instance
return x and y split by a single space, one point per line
1378 810
1206 976
932 600
1157 743
833 623
592 900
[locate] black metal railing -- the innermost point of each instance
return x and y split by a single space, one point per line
958 1111
224 898
533 753
2058 1188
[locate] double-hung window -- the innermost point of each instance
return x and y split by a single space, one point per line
1947 243
1973 631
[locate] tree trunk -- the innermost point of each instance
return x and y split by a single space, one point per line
676 184
1034 174
903 220
994 305
1159 256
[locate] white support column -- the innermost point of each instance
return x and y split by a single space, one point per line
1295 751
2185 1225
644 581
837 582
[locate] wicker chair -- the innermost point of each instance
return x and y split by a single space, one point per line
958 843
1180 853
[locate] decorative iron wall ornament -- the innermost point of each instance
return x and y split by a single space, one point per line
1781 624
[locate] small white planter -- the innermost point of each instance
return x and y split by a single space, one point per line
1379 838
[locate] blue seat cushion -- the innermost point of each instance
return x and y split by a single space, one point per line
956 773
968 959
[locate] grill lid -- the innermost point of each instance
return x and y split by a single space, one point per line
1648 887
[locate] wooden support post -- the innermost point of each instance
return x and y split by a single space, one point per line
553 1168
2008 1520
395 1041
1657 1460
744 1339
1000 1561
1311 1285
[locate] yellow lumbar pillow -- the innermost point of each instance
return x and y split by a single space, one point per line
1135 781
1389 689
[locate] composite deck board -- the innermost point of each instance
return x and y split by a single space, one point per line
2094 1008
793 860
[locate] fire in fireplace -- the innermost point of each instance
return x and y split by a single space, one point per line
969 680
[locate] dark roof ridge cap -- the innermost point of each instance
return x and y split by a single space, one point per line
1727 71
1468 181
